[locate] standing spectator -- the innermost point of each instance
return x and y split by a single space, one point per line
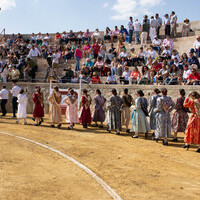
15 92
4 95
55 62
196 47
152 31
31 68
86 36
192 133
99 114
173 22
34 53
5 73
137 27
186 28
127 102
180 117
22 101
139 117
144 33
130 27
163 120
158 24
114 112
167 25
55 100
77 56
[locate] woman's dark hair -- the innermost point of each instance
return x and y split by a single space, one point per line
157 91
144 68
195 94
21 91
71 91
126 91
140 92
98 91
164 91
182 92
85 91
56 88
114 91
171 69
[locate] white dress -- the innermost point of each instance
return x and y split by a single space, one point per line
22 103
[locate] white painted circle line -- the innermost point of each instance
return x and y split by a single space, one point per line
109 190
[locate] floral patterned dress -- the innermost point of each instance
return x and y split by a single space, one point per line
192 133
180 117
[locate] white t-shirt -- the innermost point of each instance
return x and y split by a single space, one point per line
186 74
176 56
137 26
15 91
126 75
56 57
123 54
111 78
157 42
4 94
152 53
196 44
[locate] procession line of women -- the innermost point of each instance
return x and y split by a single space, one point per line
118 113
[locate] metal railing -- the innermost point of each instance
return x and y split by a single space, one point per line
3 33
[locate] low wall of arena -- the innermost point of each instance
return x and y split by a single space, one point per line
105 89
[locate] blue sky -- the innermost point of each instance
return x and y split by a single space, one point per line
27 16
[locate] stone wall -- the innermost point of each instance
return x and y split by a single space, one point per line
106 91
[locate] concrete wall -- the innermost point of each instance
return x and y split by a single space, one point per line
106 91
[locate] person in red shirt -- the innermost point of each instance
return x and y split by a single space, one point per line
95 79
95 49
193 78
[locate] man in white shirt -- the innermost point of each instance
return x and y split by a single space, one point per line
152 31
130 28
15 92
55 62
196 47
4 98
111 79
186 74
157 44
123 54
173 20
96 35
137 27
34 53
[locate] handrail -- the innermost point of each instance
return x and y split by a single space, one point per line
3 32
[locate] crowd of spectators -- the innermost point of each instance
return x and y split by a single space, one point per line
156 62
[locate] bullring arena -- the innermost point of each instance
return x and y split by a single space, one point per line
44 163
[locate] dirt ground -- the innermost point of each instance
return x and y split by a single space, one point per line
135 168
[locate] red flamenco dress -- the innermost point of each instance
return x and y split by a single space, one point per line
192 133
85 117
38 110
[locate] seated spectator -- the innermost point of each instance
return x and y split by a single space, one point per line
156 67
47 38
98 66
114 65
33 38
86 50
86 36
111 53
115 34
123 33
107 34
89 63
39 38
146 77
162 74
135 76
95 49
172 79
96 35
79 37
166 53
184 78
183 59
15 74
125 76
74 78
122 64
95 79
157 44
193 60
141 56
194 77
132 57
120 46
69 73
196 47
151 52
111 79
123 54
63 38
5 73
106 68
71 36
102 51
168 42
185 28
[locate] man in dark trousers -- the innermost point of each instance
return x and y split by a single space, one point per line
15 92
4 98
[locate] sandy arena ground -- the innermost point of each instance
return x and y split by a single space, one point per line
135 168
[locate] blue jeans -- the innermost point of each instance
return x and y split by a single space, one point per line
157 49
171 81
198 51
130 36
114 71
137 36
77 63
88 39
